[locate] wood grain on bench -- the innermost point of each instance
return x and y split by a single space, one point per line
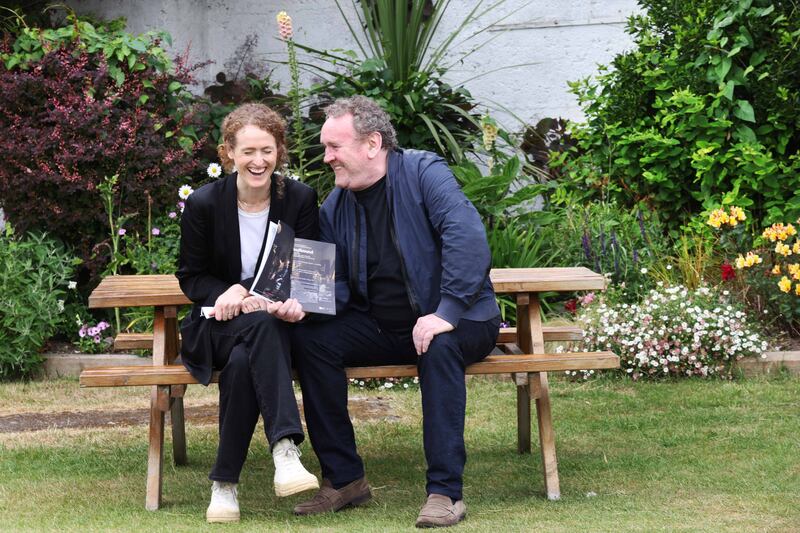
130 376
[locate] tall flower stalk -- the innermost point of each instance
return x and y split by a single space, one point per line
298 147
107 190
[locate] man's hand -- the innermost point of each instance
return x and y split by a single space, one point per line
426 328
289 311
252 304
229 303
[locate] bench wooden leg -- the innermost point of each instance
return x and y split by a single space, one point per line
159 395
547 438
178 425
523 413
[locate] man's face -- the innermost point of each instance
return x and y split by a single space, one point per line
347 154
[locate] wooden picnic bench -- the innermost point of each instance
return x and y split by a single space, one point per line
523 357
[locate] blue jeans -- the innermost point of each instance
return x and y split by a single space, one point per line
322 350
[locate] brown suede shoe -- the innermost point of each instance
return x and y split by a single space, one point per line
329 499
440 511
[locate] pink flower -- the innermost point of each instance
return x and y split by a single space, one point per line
155 231
172 214
587 299
122 231
82 332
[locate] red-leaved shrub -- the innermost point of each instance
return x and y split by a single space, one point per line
65 124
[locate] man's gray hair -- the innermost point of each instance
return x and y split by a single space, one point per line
368 117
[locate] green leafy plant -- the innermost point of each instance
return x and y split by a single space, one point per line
400 68
701 112
34 274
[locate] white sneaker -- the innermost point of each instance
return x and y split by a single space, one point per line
290 475
224 506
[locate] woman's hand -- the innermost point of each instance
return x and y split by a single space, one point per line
252 304
229 303
289 311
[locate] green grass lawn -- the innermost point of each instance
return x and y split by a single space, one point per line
681 456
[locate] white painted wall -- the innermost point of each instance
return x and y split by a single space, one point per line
563 40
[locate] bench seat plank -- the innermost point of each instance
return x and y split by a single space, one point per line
127 376
144 341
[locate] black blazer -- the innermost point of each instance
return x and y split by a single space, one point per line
210 257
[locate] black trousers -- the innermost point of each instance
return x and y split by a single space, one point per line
322 350
252 350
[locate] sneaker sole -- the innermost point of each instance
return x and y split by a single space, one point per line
221 519
289 489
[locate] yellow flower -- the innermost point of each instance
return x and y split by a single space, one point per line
797 289
776 269
737 215
796 247
284 25
794 270
752 259
784 284
489 132
779 232
717 218
740 262
783 249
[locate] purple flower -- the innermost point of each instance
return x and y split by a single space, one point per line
122 231
102 325
587 247
82 332
92 331
97 339
155 231
172 214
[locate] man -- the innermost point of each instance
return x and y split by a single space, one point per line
412 286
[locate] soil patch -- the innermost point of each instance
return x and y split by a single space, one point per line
377 408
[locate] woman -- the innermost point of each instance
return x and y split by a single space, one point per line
222 238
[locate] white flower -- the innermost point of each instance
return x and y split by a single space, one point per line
643 270
60 304
669 267
72 285
185 191
214 170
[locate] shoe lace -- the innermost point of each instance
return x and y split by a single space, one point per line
291 450
224 488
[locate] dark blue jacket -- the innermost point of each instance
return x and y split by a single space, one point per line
437 231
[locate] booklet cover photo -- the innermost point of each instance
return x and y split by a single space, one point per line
297 268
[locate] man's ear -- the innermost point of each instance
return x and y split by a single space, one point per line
374 144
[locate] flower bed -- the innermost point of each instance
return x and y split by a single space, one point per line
673 332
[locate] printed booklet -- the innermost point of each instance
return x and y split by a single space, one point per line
297 268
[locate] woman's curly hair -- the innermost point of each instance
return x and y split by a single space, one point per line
262 117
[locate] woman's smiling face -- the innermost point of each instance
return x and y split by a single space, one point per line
254 156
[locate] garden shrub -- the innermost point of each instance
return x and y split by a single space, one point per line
673 332
703 109
34 276
82 102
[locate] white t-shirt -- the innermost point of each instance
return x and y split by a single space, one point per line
252 228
